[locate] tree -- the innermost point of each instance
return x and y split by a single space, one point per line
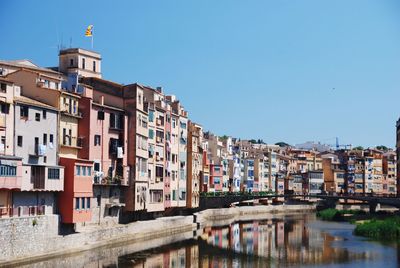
224 138
382 147
253 141
359 148
282 144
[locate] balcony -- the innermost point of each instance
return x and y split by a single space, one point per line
73 142
39 178
38 150
71 111
117 180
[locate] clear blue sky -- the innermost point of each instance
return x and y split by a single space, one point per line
251 69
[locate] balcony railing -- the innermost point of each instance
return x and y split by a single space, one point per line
76 142
117 180
22 211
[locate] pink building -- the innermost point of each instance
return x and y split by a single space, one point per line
216 174
103 132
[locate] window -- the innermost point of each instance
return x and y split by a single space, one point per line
37 117
173 123
96 166
24 112
100 115
44 139
94 66
8 171
97 140
182 196
151 134
74 107
44 159
83 63
3 87
89 171
83 202
69 136
183 125
19 141
174 195
64 136
51 138
77 203
159 171
83 170
53 174
151 116
4 108
116 121
36 144
3 143
71 62
78 170
44 115
88 202
113 146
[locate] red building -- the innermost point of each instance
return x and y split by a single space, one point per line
75 201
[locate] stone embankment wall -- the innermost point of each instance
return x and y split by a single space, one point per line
226 216
26 235
32 239
28 240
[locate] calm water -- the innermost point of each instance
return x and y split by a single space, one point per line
291 241
287 241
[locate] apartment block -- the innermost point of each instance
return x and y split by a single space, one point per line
194 164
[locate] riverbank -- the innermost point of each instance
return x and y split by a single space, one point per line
380 226
125 239
387 229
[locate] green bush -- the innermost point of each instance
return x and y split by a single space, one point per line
329 214
388 229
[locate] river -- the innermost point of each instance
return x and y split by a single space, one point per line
299 240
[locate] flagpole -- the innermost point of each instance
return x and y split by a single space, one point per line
92 38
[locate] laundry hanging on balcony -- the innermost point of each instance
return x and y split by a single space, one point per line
42 149
120 152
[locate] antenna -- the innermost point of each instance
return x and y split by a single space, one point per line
70 42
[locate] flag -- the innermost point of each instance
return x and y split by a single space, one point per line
89 31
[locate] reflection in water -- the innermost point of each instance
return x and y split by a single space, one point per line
296 240
270 243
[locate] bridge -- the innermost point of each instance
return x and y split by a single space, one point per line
207 202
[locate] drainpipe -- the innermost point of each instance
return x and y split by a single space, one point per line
102 133
14 144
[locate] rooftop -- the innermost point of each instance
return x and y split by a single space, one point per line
29 101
